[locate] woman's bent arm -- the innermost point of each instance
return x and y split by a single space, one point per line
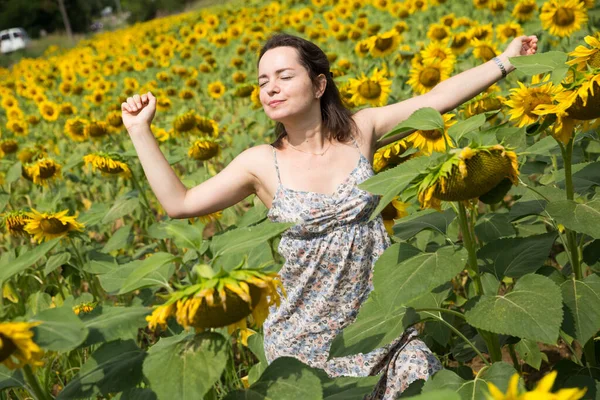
228 187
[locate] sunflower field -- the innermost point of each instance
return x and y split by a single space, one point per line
493 208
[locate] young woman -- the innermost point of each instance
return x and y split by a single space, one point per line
309 176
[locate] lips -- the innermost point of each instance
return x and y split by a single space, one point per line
275 102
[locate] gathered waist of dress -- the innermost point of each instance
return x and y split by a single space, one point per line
312 230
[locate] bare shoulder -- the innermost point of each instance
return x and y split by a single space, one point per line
257 160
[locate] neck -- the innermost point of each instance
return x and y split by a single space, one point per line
307 133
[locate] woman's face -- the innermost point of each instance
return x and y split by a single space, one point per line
285 87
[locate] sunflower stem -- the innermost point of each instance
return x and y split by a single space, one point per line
34 385
567 153
590 353
445 310
515 359
473 268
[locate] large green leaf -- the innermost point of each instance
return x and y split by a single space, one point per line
392 181
530 353
245 239
583 301
10 378
376 325
186 236
115 280
148 266
56 261
516 257
532 310
60 330
285 378
111 323
112 368
532 203
348 388
437 221
583 178
458 130
493 226
542 147
441 394
121 208
498 373
185 368
398 284
25 260
582 218
118 240
425 118
540 63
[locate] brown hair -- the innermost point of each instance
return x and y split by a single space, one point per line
337 119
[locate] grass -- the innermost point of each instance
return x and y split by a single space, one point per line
37 47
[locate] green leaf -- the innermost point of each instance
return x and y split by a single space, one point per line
112 323
38 302
113 281
540 63
122 207
246 239
583 301
136 394
4 197
499 374
376 325
405 228
285 378
530 353
186 236
542 147
118 240
532 203
392 181
56 261
25 260
426 118
348 388
186 368
112 368
149 266
583 179
398 284
493 226
60 330
511 136
458 130
532 310
94 215
13 173
582 218
516 257
10 378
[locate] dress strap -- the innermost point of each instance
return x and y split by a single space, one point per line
276 166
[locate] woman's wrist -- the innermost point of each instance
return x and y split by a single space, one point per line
508 67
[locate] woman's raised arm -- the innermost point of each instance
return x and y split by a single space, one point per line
231 185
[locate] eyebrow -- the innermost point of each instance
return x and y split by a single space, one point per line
276 72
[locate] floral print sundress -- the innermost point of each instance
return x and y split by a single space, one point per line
329 258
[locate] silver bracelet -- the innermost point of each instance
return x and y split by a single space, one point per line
499 63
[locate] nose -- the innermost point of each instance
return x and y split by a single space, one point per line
272 88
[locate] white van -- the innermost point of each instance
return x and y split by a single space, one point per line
13 39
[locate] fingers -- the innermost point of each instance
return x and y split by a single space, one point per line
138 100
144 99
125 107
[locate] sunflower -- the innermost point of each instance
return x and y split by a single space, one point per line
440 51
390 155
163 103
508 30
41 171
481 32
524 101
563 17
8 146
185 122
216 89
244 90
542 390
17 347
484 102
15 221
459 43
384 44
48 226
424 77
497 6
84 308
373 90
18 127
204 148
227 299
114 120
75 128
110 164
28 154
438 32
584 56
484 50
255 97
466 174
393 211
205 219
433 140
186 94
33 120
96 129
362 48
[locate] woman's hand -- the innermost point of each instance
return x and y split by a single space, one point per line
522 46
138 110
